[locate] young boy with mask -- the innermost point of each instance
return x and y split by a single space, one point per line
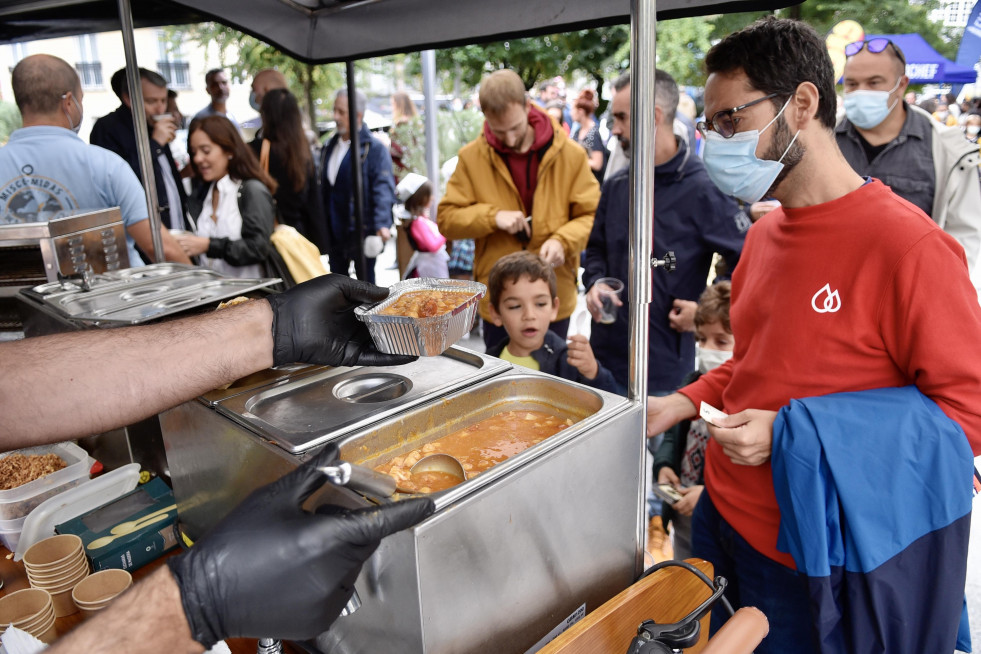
524 299
680 460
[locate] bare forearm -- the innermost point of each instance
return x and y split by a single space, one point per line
147 618
72 385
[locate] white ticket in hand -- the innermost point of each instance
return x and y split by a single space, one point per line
711 415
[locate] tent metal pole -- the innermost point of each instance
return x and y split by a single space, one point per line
641 234
142 133
432 143
641 229
354 130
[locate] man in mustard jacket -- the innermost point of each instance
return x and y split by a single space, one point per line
522 184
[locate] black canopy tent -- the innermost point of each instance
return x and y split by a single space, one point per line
323 31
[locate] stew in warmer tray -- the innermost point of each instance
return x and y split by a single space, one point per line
478 447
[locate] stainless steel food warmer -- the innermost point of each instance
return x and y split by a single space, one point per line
507 556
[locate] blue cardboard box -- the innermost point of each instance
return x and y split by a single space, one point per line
131 530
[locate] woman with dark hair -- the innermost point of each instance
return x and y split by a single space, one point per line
587 134
235 211
284 153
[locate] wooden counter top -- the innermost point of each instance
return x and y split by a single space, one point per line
15 577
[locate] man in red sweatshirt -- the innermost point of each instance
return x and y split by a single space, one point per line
521 185
845 287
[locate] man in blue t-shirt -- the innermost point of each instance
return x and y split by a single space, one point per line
46 170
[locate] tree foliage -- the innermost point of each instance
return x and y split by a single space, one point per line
595 53
244 55
875 17
681 47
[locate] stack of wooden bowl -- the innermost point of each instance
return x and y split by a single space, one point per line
96 591
56 565
30 610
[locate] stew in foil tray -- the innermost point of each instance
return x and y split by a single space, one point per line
425 304
478 447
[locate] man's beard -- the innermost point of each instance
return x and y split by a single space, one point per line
781 139
624 145
517 147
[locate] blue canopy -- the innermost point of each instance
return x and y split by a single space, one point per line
924 65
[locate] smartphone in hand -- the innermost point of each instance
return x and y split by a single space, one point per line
667 492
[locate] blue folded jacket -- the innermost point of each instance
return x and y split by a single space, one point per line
875 491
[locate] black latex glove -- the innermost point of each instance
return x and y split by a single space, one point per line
314 322
272 570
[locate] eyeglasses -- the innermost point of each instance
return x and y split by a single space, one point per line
722 123
875 46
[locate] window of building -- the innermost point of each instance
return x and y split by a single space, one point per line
88 66
172 64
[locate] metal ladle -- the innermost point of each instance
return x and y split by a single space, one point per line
444 463
377 484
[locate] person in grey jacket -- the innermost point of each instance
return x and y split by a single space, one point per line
929 164
235 211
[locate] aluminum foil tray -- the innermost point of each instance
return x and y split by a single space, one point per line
421 336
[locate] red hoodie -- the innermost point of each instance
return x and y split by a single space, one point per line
861 292
524 166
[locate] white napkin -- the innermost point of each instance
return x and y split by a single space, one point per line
16 641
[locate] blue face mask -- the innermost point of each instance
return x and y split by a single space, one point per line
733 166
867 109
252 101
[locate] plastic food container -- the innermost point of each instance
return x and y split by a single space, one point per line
18 502
10 538
421 336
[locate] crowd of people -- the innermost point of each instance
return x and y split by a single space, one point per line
837 236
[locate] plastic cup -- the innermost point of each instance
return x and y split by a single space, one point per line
609 288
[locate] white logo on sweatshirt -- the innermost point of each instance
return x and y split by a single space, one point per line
826 300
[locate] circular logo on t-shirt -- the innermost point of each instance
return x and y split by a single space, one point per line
33 198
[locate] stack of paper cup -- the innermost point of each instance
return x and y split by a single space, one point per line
96 591
29 610
56 565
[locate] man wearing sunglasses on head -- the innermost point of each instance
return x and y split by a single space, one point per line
921 160
845 287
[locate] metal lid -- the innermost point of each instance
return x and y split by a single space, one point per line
308 411
143 294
